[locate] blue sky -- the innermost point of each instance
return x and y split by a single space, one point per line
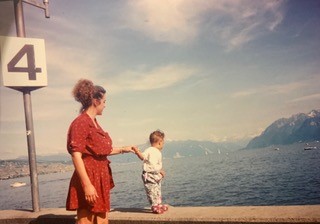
197 69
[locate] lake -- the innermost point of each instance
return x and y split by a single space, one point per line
288 176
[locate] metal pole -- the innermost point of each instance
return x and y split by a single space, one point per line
31 150
18 10
18 13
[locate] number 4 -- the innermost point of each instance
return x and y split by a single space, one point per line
27 49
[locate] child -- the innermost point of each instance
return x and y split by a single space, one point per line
152 171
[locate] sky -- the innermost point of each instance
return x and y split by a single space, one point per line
214 70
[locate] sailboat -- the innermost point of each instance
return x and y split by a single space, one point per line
18 184
177 156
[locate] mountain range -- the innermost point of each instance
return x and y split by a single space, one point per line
180 149
297 128
172 149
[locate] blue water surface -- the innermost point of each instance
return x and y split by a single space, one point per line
289 176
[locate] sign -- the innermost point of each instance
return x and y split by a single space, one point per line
23 62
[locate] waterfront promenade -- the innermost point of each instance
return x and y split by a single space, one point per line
176 215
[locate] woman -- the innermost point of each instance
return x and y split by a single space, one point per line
89 146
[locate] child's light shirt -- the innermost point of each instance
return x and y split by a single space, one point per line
152 160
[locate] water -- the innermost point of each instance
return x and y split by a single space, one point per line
290 176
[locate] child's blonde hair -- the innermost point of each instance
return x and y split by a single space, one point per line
156 136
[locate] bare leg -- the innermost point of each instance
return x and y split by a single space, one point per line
84 216
102 218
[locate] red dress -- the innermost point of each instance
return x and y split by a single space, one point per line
95 145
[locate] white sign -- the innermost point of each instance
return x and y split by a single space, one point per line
23 62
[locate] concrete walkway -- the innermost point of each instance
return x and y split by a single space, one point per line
179 215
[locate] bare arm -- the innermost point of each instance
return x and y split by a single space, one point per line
138 153
120 150
89 190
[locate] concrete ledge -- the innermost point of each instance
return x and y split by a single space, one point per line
178 215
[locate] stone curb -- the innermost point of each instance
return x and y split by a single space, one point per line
178 215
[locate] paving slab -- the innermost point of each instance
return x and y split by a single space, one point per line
179 215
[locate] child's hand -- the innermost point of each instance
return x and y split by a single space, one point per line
127 149
162 173
135 149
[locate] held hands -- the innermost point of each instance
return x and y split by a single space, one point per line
127 149
135 149
138 153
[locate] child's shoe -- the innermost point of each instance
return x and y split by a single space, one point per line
164 207
157 209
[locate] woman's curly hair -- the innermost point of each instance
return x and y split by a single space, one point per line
85 91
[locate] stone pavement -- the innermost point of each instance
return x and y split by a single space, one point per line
179 215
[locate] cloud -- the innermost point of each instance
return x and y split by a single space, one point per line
239 22
157 78
73 49
311 97
163 21
271 90
306 82
67 65
231 23
244 93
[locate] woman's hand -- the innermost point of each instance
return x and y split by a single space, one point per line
90 194
127 149
121 150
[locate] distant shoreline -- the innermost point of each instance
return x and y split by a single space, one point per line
15 169
11 169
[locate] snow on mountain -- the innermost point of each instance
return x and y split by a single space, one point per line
297 128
